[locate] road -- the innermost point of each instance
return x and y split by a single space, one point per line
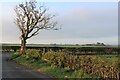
0 65
14 71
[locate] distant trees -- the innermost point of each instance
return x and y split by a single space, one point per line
100 44
30 19
97 44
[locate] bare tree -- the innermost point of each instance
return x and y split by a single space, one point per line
30 19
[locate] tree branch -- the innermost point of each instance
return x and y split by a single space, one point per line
30 19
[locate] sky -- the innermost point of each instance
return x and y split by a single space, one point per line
82 23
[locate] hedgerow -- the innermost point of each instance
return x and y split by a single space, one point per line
93 65
33 53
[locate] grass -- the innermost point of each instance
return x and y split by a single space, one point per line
50 69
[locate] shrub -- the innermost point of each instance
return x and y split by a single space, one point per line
93 65
49 57
33 53
60 58
72 62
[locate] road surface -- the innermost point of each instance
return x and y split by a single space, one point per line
0 65
14 71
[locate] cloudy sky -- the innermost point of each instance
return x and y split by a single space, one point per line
82 22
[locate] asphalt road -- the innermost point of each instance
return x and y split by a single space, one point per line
14 71
0 64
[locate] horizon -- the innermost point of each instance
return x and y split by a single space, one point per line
56 44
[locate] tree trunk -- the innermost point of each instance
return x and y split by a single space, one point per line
23 46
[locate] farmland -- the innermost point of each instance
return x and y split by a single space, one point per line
73 61
75 49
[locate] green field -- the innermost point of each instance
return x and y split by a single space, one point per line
55 45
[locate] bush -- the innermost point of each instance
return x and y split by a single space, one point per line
49 57
93 65
33 53
60 58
